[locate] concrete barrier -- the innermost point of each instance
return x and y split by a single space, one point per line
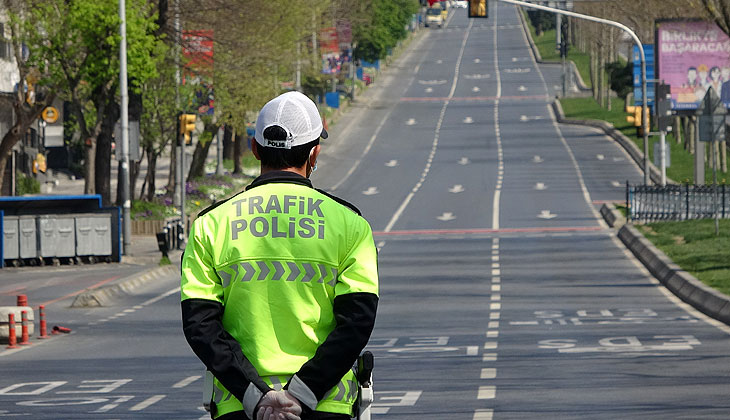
15 310
704 298
102 296
613 217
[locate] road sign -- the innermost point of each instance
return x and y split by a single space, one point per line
50 115
649 55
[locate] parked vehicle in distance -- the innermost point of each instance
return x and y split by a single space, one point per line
461 4
434 17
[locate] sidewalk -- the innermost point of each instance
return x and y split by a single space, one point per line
143 250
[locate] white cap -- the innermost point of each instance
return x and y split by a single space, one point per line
296 114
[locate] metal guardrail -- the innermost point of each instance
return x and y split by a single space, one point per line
677 202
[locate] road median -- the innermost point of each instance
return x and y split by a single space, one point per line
680 282
103 296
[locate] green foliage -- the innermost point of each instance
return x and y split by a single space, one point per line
621 77
26 184
541 20
158 209
387 26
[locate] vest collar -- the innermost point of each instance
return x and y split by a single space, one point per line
280 177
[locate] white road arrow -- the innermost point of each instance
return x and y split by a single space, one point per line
432 82
475 89
522 88
447 216
545 214
463 161
371 191
439 61
537 159
527 70
476 60
411 121
618 159
391 163
616 184
456 189
468 120
600 157
540 186
525 118
429 89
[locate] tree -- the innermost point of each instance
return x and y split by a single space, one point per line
717 10
36 89
387 26
77 43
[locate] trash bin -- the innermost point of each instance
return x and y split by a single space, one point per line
11 238
57 236
94 234
28 246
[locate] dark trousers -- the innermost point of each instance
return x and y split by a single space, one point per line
314 415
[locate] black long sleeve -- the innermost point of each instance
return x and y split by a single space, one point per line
216 348
355 319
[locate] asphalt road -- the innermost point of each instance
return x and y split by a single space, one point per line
503 296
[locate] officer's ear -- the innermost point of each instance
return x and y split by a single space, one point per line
314 154
255 149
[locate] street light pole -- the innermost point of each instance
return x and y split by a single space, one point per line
645 106
126 203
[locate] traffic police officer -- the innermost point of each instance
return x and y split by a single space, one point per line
280 282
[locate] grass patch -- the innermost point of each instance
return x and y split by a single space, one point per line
682 162
693 245
545 43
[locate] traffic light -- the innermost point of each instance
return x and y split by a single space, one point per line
186 123
635 118
478 9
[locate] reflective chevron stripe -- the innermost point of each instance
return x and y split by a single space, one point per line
264 270
294 271
279 270
309 273
282 270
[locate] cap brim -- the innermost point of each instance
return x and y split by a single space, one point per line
324 133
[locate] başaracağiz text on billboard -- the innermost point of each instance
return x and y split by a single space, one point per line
692 57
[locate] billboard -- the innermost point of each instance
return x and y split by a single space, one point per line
197 49
693 56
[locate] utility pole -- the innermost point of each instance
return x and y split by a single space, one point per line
126 203
180 185
636 39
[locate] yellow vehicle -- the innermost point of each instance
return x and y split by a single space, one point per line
434 16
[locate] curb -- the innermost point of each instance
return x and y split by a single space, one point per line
104 295
613 217
692 291
625 142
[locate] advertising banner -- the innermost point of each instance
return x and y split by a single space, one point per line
197 49
693 56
